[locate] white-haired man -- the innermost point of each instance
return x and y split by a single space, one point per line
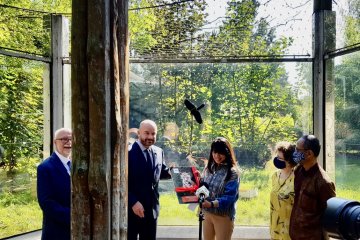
54 188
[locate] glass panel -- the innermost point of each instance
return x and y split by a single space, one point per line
347 22
347 125
21 144
253 105
220 28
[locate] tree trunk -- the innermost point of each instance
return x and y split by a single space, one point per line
100 119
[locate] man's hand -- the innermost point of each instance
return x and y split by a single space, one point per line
138 209
206 204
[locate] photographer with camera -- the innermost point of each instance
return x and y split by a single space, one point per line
313 188
221 176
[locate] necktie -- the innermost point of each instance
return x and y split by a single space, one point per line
69 165
148 158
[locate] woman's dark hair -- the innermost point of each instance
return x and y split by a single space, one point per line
287 149
222 146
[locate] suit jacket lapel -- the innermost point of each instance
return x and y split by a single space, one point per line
58 164
140 154
154 156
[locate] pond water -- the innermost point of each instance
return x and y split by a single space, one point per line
347 171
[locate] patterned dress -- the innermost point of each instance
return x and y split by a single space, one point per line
281 203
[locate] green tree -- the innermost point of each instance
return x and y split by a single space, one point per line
250 104
21 117
24 27
173 30
142 21
253 104
352 23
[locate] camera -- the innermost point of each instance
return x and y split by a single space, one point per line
342 219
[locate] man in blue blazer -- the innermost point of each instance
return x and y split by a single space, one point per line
54 188
146 168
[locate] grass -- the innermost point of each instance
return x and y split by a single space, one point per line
15 219
249 212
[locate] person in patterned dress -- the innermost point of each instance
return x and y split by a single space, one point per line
282 191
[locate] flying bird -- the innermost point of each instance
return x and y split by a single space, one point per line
194 110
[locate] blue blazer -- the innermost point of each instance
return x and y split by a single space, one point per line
54 196
143 181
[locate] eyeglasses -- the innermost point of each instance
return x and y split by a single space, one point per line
64 140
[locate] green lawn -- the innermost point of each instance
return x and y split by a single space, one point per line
15 219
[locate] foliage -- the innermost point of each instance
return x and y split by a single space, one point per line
21 113
347 95
352 23
141 22
21 96
168 30
29 30
253 105
250 104
254 98
9 198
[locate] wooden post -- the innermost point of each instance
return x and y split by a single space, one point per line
100 109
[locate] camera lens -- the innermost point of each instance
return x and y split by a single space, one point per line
342 218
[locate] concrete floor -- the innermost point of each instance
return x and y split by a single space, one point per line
182 233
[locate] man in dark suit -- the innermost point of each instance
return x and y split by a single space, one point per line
53 188
146 168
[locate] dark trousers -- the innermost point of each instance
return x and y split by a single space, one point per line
144 227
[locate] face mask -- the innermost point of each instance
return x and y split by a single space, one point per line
298 157
278 163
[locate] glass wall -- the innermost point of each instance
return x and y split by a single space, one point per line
347 99
21 144
253 105
347 125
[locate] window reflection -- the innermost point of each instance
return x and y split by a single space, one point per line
347 125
